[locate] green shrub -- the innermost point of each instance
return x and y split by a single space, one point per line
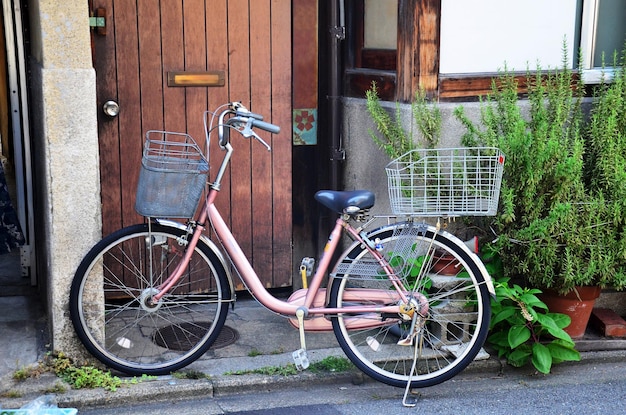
560 222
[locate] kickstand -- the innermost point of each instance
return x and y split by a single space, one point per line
408 383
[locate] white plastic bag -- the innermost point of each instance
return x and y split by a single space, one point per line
41 405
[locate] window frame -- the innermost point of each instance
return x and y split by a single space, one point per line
417 57
589 23
416 54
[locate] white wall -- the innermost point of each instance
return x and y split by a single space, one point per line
481 35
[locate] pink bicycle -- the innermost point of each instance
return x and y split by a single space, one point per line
408 302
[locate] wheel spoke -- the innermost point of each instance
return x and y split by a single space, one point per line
455 307
112 308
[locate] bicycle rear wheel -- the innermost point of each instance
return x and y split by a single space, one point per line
111 308
454 327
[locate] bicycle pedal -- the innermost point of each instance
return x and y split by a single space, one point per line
300 359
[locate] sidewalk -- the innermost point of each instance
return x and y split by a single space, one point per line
22 344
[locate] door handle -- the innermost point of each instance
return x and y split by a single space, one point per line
111 108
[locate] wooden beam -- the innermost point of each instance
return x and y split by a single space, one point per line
454 86
418 47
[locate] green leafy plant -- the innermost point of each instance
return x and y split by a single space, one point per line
332 364
395 140
605 168
427 118
78 376
523 330
190 374
85 376
556 228
287 370
328 364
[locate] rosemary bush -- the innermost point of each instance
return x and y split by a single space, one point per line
560 222
395 140
606 174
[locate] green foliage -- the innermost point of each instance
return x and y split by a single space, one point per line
332 364
328 364
606 174
395 140
427 117
523 331
412 268
560 222
82 376
190 374
287 370
26 372
254 352
77 376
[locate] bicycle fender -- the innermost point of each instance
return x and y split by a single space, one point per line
211 246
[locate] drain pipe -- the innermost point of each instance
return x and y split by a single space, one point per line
336 36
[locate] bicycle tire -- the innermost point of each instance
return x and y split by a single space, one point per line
109 305
456 324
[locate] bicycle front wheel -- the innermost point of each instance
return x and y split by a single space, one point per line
112 308
440 277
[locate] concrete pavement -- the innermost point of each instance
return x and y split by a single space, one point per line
22 343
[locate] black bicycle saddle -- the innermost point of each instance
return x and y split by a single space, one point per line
341 201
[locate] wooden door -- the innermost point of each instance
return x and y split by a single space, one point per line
250 43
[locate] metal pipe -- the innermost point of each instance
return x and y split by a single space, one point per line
336 35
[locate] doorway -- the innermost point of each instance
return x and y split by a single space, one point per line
17 256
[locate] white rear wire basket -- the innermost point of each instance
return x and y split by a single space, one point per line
446 182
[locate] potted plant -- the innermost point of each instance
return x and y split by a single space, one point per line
605 164
559 225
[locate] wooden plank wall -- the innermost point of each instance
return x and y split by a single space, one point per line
251 42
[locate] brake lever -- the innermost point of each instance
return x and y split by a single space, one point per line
248 132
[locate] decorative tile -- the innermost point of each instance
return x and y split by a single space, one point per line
304 127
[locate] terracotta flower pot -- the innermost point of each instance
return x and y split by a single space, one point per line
577 304
445 264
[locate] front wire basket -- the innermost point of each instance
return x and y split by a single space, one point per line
440 182
173 175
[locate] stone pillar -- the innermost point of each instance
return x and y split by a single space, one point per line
65 152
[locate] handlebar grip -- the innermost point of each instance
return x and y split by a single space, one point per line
249 114
274 129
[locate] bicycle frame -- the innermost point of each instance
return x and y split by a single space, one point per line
311 304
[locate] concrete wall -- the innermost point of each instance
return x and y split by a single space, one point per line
365 162
65 146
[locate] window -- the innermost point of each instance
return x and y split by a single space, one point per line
385 34
453 48
380 24
603 31
376 37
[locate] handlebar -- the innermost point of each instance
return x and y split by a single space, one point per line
271 128
237 117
